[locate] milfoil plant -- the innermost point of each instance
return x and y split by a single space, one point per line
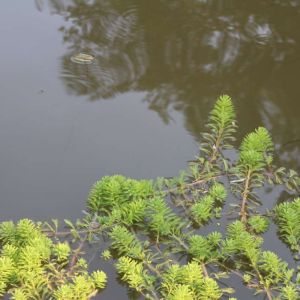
175 238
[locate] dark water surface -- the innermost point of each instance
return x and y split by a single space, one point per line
139 108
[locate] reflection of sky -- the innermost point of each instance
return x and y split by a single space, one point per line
54 145
47 125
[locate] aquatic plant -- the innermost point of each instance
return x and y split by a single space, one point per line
287 217
32 266
151 231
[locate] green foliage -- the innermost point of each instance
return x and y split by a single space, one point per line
289 292
255 151
205 249
203 209
18 235
181 291
254 158
133 212
151 235
61 251
267 269
221 127
188 281
134 274
114 191
259 141
81 287
125 242
32 266
106 255
258 223
240 243
99 279
218 192
162 220
287 217
273 268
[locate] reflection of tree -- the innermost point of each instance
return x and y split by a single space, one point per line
108 31
184 53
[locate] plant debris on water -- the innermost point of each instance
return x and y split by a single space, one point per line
82 58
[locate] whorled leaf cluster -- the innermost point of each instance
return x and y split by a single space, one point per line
32 266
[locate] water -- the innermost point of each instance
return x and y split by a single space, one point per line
139 108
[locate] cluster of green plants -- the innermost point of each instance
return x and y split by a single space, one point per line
154 230
32 266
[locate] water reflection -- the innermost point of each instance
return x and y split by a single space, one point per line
184 53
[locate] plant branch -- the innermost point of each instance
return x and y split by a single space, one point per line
216 146
245 193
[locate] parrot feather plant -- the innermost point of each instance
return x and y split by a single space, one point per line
173 239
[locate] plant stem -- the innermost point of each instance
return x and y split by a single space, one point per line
261 279
200 181
195 182
204 269
230 270
245 193
216 146
68 232
153 269
182 243
76 254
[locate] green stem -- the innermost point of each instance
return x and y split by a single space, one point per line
193 183
50 233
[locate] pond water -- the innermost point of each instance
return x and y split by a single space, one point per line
140 107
